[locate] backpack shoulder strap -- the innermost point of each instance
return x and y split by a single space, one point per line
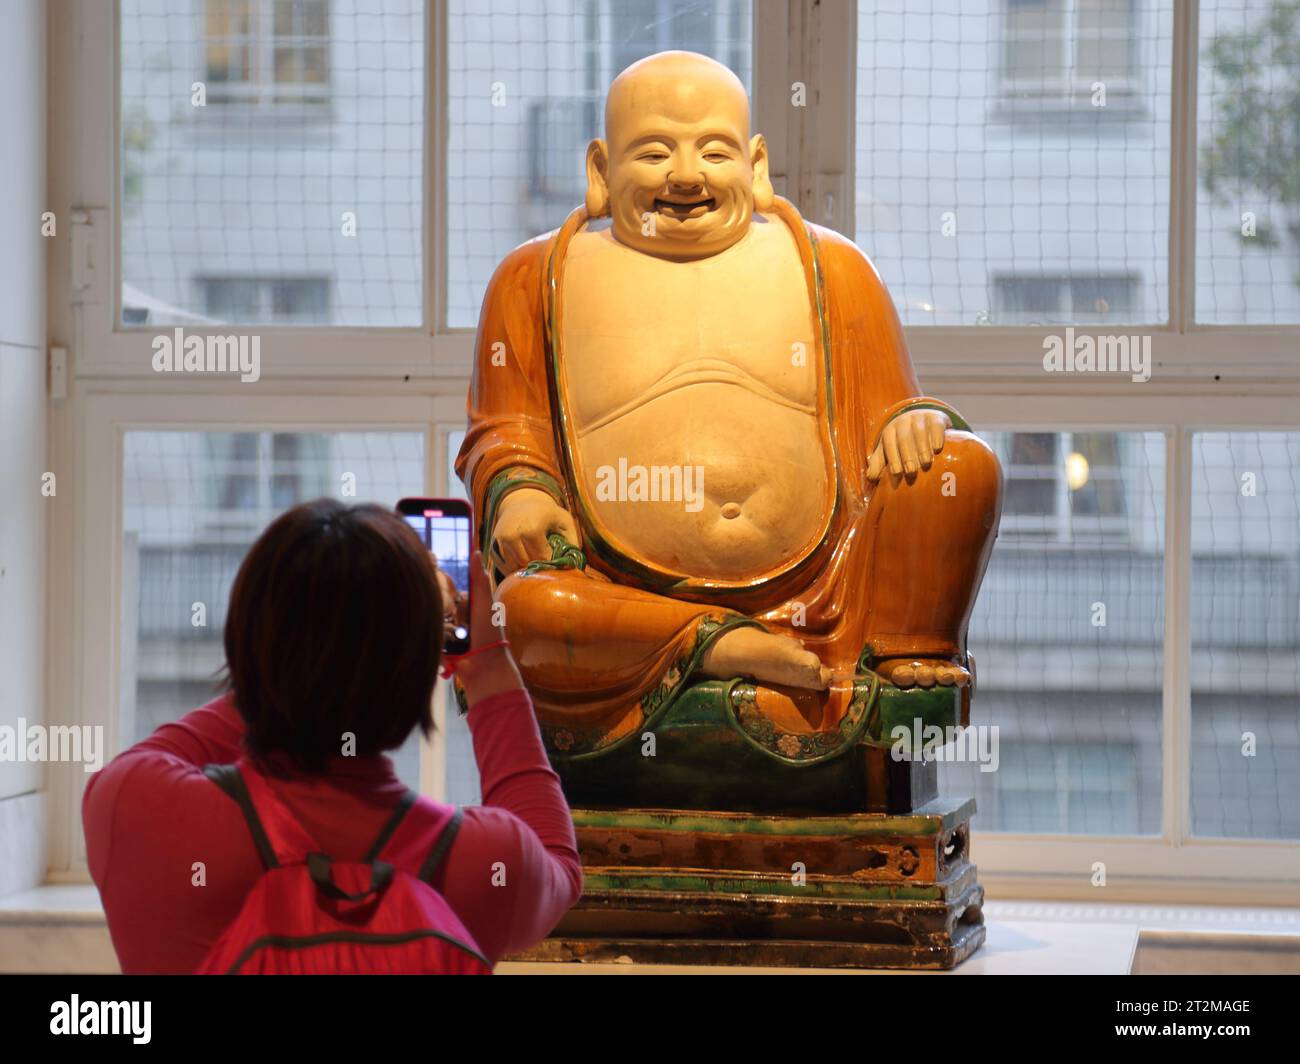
230 780
387 831
442 847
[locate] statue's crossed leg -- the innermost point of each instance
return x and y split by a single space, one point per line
591 648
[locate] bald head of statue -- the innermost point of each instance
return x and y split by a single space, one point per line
677 171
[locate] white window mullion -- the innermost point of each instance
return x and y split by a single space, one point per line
265 51
264 472
1177 679
1063 507
1182 169
434 748
1070 41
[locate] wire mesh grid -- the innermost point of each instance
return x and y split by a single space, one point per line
1012 158
1245 676
272 164
193 503
1068 638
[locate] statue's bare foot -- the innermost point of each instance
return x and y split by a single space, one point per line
922 672
768 658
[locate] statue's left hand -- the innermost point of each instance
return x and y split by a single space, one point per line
909 443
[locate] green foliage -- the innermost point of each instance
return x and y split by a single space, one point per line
1255 149
137 137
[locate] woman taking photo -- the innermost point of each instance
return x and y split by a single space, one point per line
333 641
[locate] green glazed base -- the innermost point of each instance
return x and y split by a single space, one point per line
711 752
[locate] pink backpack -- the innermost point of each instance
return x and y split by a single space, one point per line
309 914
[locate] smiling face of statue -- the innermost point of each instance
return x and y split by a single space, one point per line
678 172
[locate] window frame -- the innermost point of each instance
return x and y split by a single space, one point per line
1066 285
260 93
1066 87
1174 863
403 377
120 350
1056 529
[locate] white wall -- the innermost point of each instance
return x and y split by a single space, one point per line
22 423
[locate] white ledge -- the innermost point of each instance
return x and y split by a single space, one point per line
53 905
61 928
79 903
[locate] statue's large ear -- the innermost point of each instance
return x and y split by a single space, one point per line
763 191
597 183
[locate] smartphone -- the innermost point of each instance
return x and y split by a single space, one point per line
443 526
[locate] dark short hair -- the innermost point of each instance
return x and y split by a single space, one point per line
334 627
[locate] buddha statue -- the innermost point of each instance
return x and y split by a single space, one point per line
724 522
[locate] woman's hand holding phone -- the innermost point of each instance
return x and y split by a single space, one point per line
491 671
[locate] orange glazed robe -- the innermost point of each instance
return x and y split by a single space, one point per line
603 648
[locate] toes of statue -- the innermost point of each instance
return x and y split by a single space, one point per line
922 673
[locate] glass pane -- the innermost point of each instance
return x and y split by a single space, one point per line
526 86
1068 638
1246 635
1003 179
1034 44
314 15
283 12
193 503
315 65
1100 299
1105 41
1248 212
303 165
288 65
228 18
1094 473
1026 297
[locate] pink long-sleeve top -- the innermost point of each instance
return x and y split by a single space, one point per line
151 815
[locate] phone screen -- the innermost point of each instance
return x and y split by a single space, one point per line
447 535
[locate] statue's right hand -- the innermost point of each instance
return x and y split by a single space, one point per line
526 517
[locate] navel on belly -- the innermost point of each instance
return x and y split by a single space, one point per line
715 482
736 535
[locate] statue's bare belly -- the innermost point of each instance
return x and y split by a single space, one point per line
692 394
